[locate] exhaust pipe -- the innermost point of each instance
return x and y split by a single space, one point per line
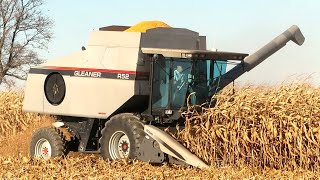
293 33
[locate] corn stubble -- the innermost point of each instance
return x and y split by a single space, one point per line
277 127
93 167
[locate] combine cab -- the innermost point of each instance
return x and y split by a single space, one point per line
116 95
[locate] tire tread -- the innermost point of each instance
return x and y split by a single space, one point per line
122 120
54 136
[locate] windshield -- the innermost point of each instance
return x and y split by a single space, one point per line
196 77
175 79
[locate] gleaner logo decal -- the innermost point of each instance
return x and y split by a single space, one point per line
92 72
87 74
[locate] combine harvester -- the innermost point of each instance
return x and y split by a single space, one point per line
117 95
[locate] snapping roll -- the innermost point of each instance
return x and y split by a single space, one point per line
293 33
171 147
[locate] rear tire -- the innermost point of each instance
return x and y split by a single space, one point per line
121 137
47 142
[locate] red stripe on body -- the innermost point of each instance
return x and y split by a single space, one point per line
94 70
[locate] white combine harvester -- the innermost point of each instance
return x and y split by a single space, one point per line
116 95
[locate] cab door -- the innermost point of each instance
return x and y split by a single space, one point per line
161 83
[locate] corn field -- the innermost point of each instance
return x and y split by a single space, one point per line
257 133
277 127
12 119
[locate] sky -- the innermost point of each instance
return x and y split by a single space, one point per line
230 25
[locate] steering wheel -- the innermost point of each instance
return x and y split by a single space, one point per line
195 83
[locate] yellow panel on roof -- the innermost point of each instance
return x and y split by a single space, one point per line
145 25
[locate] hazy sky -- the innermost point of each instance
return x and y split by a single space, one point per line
242 26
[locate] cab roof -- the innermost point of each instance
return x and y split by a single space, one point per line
195 54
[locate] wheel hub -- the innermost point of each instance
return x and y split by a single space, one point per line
119 145
43 149
124 146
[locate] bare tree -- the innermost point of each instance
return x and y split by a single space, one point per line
24 30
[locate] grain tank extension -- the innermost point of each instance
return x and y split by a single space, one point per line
116 95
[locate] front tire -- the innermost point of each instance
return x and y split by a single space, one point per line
47 142
121 137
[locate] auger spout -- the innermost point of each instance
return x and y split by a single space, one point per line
292 34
